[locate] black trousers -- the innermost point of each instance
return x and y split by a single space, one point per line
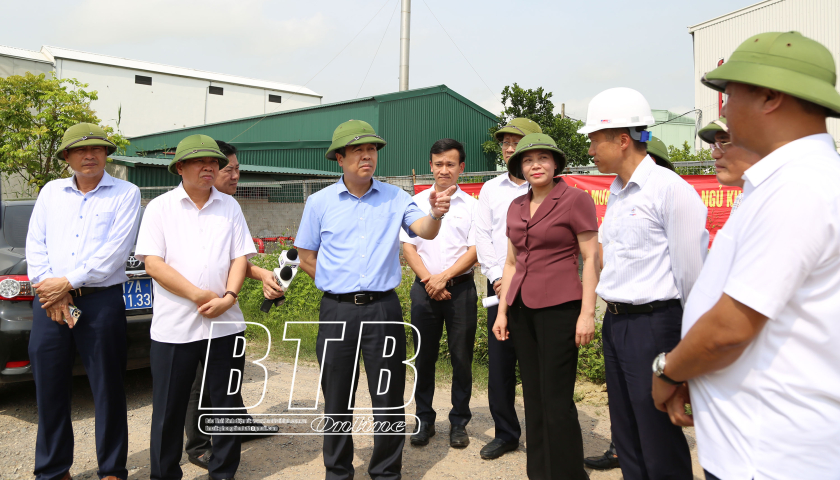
460 315
99 338
173 371
545 345
198 443
337 361
501 382
649 445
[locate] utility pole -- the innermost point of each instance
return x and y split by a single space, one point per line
562 110
405 38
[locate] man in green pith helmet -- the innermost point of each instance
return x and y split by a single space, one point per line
657 149
731 161
348 241
80 235
196 245
491 246
760 331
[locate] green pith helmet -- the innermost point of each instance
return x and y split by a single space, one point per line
83 135
353 132
785 62
535 141
656 148
518 126
197 146
707 133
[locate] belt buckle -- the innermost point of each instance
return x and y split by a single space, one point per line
609 308
78 291
357 296
450 283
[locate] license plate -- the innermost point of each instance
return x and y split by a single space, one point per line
137 293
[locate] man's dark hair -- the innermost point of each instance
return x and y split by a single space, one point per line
341 151
812 108
447 144
611 133
226 148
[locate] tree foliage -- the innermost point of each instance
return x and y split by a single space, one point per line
34 113
536 105
684 154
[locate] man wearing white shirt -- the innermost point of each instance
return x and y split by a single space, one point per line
444 293
760 330
80 235
491 245
654 242
196 246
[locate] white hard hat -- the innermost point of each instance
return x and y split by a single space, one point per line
617 108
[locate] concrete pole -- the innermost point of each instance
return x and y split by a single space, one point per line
405 38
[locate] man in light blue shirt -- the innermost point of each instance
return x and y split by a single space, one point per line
348 242
80 234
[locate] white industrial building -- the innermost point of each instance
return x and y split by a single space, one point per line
149 97
716 39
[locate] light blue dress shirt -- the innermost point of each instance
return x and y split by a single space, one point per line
357 239
84 237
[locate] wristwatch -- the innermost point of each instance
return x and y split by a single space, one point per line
659 369
437 219
235 296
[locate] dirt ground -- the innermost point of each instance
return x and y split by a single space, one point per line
290 457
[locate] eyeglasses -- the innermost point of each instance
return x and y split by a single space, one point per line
722 146
505 145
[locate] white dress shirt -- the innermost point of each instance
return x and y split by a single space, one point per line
654 237
491 242
775 412
200 245
456 235
86 238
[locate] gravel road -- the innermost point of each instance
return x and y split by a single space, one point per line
287 457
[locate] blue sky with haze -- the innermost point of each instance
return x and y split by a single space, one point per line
574 49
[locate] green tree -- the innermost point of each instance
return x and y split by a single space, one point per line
536 105
684 154
34 113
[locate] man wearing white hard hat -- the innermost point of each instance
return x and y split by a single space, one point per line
654 242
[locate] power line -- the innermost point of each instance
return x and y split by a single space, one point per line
377 48
459 50
348 44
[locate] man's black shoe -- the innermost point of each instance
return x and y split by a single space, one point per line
458 437
607 461
201 462
262 431
497 448
426 431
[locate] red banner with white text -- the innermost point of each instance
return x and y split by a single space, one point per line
717 198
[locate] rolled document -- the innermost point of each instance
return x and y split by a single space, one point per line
490 301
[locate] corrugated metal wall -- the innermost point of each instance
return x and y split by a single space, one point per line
716 39
410 121
151 176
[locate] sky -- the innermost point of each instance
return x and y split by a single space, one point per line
573 49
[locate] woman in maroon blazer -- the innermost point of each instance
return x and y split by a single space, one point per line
551 313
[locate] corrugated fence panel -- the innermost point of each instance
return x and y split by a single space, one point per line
152 177
816 19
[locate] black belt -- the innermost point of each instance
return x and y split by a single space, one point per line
457 280
627 308
358 298
80 292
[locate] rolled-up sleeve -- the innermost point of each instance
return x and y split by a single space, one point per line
483 219
688 240
411 214
37 260
309 232
243 243
114 252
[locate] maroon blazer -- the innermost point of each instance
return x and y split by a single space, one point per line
546 245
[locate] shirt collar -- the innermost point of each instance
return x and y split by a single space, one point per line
105 181
342 188
767 166
640 176
181 194
506 178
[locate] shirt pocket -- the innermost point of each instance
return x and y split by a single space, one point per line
633 237
102 224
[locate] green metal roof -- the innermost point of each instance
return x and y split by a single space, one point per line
409 121
132 162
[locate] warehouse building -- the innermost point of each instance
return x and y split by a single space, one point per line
716 39
410 121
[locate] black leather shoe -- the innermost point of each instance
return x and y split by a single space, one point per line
201 462
427 431
264 432
458 437
607 461
497 448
